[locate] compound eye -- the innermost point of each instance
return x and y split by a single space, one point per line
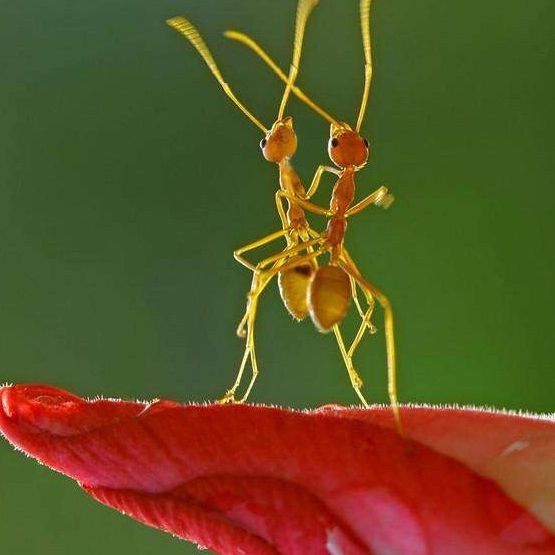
263 143
334 142
366 143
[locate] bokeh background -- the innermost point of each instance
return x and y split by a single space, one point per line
128 178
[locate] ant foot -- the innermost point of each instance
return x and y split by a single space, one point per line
229 397
385 201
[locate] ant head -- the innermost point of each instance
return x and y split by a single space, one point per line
280 142
346 147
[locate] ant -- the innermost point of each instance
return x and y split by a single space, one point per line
278 145
349 152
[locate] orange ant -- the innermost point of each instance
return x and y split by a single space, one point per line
328 290
278 146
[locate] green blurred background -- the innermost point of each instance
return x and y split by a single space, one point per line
128 178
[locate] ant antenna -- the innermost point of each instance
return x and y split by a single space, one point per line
257 49
365 27
184 27
304 7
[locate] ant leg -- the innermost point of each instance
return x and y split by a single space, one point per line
288 252
253 303
268 239
250 342
380 197
237 255
316 179
356 381
241 327
260 281
229 396
276 259
366 323
282 216
364 315
310 206
291 264
264 278
389 336
360 333
250 314
369 299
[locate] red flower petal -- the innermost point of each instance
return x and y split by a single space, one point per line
258 480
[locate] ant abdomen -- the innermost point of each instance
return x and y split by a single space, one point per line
293 287
328 297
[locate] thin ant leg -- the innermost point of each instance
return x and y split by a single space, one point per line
266 276
362 328
293 263
369 299
313 233
380 197
292 250
316 179
262 279
250 338
356 381
229 397
237 255
311 207
241 327
360 333
279 261
288 252
354 295
269 238
389 336
283 217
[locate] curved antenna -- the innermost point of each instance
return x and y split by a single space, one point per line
304 7
365 27
247 41
184 27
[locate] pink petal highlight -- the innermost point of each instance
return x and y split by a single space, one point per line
517 452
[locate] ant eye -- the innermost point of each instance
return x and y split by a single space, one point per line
365 142
263 143
334 142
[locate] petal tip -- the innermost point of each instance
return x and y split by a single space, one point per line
6 396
